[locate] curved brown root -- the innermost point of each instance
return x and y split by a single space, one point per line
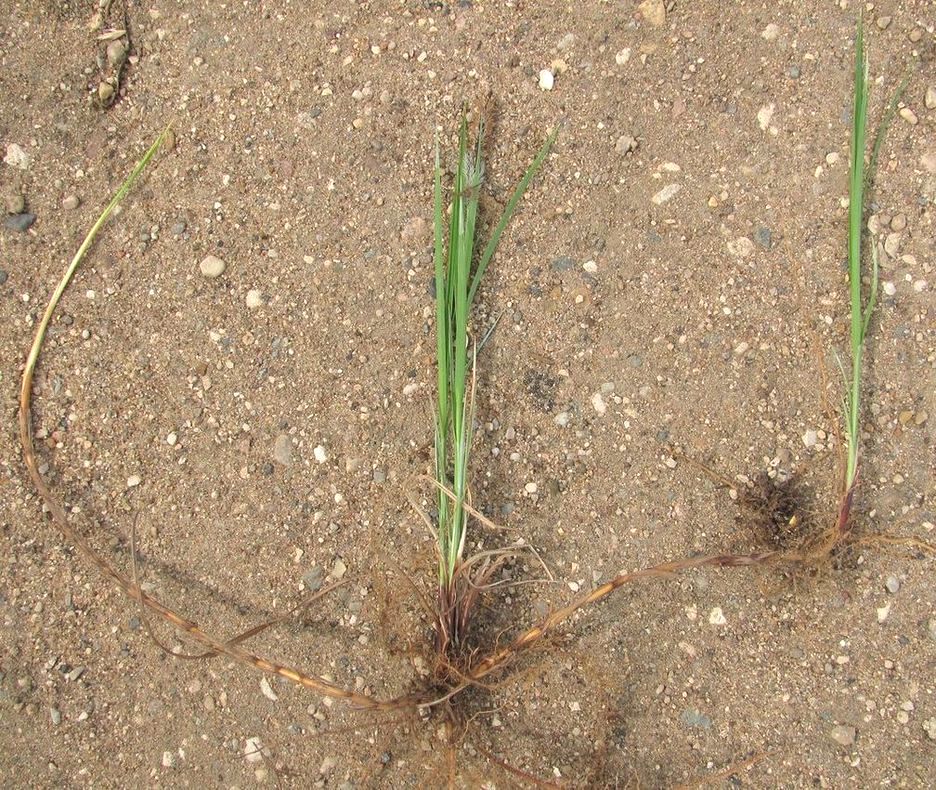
211 644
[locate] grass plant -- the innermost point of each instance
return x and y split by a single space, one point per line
861 306
458 274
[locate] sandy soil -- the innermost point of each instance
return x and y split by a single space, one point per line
192 407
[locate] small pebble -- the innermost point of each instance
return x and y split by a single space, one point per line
16 156
211 267
546 80
793 72
339 569
667 193
253 750
883 22
741 247
765 115
590 266
379 476
899 222
282 450
562 264
653 11
622 56
770 32
178 228
626 144
843 735
320 455
105 92
930 100
928 160
168 760
809 438
254 298
267 690
313 578
19 222
717 616
56 716
3 276
929 727
133 481
598 403
116 53
71 202
530 488
892 244
892 584
763 237
171 439
415 231
561 419
909 116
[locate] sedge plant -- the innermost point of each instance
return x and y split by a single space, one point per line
458 274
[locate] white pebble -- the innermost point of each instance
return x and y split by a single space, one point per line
546 80
267 690
320 455
764 116
741 247
770 32
253 750
889 288
16 156
598 403
254 298
171 439
133 481
590 266
669 191
809 438
211 267
530 488
717 617
623 56
561 419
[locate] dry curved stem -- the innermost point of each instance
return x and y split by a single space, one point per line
211 643
498 659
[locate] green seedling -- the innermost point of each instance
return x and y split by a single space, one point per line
862 308
458 273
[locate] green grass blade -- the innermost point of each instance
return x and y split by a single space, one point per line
885 125
509 210
855 216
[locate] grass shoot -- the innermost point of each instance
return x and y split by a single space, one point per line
457 278
861 308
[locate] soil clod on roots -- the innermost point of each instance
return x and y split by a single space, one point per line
778 512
